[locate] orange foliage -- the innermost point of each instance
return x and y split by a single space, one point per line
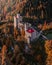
48 47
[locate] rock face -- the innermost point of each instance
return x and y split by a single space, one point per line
48 46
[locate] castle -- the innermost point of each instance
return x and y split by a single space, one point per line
30 33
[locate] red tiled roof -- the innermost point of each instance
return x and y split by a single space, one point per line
30 30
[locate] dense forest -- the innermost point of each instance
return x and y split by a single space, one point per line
38 8
35 7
